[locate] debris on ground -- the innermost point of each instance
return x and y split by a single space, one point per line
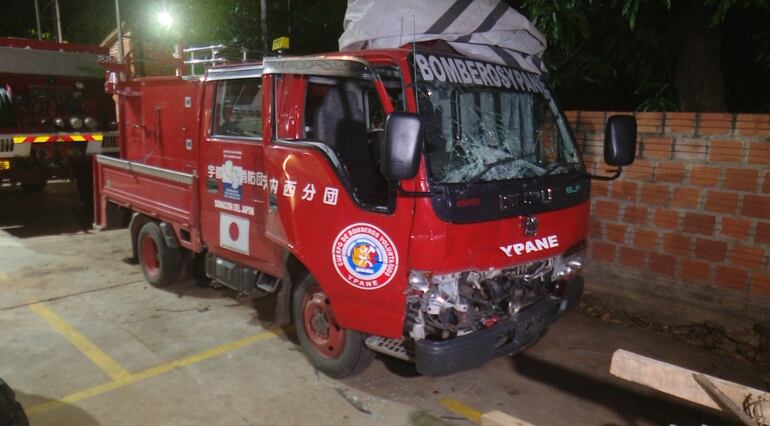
752 345
353 400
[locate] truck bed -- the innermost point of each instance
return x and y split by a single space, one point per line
163 194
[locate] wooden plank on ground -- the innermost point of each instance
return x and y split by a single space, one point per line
676 381
498 418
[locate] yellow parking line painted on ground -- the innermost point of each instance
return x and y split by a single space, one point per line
81 342
461 409
152 372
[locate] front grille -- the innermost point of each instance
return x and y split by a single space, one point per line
6 145
110 141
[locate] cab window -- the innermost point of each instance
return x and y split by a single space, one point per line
238 108
347 116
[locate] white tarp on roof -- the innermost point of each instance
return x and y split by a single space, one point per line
485 29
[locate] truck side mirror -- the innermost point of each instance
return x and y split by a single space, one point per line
620 140
401 151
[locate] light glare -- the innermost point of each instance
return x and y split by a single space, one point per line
165 19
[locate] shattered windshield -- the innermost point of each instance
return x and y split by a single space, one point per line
507 129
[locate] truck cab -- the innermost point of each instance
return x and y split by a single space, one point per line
412 202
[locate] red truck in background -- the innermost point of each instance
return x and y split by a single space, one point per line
413 202
54 114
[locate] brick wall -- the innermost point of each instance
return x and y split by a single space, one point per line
694 208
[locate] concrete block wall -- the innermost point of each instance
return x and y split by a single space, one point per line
694 207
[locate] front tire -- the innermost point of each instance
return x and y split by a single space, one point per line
335 351
161 264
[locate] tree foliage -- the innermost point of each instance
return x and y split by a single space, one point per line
639 47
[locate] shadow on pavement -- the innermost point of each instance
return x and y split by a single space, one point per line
64 415
55 210
633 406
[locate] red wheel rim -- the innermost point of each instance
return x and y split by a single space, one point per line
320 326
149 254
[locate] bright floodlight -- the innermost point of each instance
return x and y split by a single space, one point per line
165 19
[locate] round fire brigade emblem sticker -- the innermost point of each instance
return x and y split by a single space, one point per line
364 256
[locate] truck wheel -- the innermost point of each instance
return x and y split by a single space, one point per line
335 351
161 264
11 413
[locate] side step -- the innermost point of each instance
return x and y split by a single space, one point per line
392 347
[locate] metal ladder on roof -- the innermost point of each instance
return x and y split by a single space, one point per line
208 56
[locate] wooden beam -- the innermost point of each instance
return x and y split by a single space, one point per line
677 381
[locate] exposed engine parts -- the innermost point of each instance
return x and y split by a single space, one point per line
444 306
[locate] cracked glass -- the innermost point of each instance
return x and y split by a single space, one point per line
484 134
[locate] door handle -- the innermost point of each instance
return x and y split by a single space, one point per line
212 185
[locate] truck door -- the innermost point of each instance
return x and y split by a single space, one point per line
328 201
232 180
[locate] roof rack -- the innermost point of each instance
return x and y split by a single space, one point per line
208 56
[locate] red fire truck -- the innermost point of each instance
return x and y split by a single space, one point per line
54 114
393 199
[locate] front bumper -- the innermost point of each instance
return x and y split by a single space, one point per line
508 337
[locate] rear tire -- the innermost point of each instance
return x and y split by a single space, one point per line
11 413
335 351
161 264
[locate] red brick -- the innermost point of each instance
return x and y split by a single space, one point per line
756 206
646 239
753 125
649 122
715 124
686 197
677 244
695 271
632 257
657 147
635 214
624 190
680 122
762 235
655 194
741 179
704 175
710 250
736 228
615 232
690 149
697 223
759 153
600 188
662 264
747 256
722 201
595 229
571 116
670 171
591 120
731 277
760 283
666 218
766 185
606 209
726 150
603 251
640 170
